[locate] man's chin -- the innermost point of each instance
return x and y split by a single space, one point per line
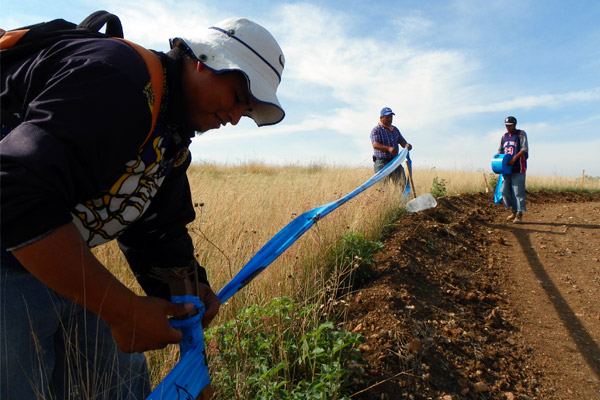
201 130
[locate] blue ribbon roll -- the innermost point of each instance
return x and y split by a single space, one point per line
500 164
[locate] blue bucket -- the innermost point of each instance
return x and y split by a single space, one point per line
500 164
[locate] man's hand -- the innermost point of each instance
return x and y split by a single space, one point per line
211 303
147 327
514 159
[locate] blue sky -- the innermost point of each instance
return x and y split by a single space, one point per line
450 70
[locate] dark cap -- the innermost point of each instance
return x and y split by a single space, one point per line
510 121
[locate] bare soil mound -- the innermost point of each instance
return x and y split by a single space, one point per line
464 304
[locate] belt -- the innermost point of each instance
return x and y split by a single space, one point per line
381 158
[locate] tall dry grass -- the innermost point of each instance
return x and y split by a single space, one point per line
239 208
471 182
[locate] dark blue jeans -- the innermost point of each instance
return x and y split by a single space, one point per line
52 348
513 192
398 176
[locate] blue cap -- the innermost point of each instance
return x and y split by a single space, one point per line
386 111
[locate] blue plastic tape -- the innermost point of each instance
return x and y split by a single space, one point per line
498 190
190 375
291 232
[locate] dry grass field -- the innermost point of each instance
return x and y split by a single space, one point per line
239 208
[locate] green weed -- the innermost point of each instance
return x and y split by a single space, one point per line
493 180
438 187
281 351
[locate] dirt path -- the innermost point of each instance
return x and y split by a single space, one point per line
554 284
465 305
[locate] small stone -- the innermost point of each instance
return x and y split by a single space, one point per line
480 387
414 346
364 347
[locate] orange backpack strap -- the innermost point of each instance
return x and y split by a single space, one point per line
8 39
155 69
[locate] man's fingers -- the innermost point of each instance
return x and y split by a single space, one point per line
212 305
179 309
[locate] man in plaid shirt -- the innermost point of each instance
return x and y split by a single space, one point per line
385 138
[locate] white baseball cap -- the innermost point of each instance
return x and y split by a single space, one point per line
242 45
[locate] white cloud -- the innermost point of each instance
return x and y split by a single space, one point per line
361 75
532 101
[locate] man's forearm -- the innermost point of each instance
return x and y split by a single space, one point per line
519 155
381 147
63 262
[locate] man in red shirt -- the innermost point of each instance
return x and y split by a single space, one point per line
514 142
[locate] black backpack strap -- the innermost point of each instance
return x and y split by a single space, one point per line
27 40
95 21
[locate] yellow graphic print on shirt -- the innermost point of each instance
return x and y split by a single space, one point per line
106 217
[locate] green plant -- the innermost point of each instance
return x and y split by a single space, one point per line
357 249
438 187
354 259
281 351
493 181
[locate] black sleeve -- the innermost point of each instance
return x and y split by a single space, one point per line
83 114
160 239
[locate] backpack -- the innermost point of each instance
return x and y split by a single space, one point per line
22 42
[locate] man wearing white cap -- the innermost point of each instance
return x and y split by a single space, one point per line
94 147
385 139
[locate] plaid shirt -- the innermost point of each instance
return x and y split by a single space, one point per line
384 136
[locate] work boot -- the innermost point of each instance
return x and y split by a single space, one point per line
518 217
512 216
